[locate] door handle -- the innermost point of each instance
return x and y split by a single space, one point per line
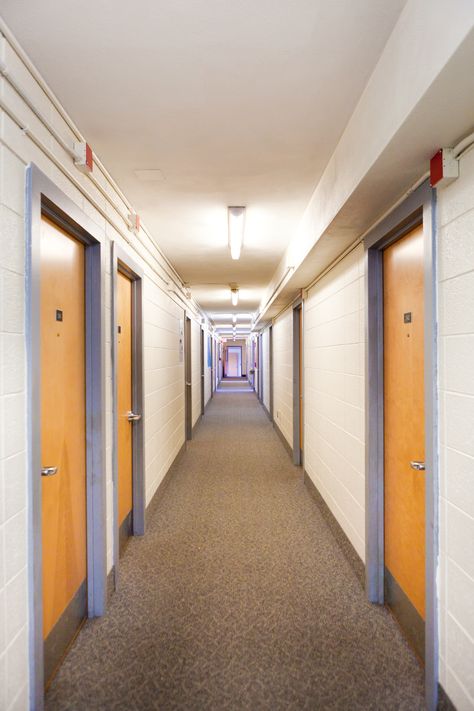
49 471
188 383
132 417
418 466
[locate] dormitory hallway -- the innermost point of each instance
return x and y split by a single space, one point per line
236 355
239 596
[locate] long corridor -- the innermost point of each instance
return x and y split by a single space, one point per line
239 596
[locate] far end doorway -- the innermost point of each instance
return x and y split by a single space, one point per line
234 362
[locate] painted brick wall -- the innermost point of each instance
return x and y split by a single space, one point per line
456 422
334 453
163 373
283 374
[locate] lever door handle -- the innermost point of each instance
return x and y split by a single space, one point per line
132 417
49 471
418 466
188 383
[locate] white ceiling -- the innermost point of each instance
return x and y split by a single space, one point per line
234 102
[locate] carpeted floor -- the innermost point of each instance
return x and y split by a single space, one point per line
238 597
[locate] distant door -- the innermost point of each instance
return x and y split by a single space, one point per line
125 407
234 362
63 440
404 436
188 381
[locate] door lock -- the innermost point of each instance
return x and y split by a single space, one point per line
132 417
49 471
418 466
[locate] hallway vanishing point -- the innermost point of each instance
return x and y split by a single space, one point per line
239 596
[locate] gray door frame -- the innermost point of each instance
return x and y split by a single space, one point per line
260 367
203 372
418 208
44 197
188 393
122 262
213 363
270 361
297 424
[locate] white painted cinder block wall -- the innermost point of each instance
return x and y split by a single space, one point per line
163 371
334 440
456 427
283 374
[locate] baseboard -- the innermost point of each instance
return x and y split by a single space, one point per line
342 540
110 583
267 412
196 424
158 495
285 442
444 702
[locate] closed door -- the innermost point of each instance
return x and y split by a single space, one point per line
63 440
124 405
404 433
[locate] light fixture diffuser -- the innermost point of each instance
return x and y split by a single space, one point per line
236 220
234 295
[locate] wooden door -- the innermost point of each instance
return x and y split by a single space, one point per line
404 432
124 405
63 440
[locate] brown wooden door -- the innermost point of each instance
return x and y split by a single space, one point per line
404 426
124 404
63 439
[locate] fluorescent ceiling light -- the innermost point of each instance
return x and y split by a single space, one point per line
234 295
234 319
236 217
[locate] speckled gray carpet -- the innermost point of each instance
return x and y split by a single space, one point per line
238 597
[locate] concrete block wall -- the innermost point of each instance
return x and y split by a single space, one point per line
456 434
334 440
283 374
163 371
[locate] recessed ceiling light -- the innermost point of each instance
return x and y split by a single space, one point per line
150 175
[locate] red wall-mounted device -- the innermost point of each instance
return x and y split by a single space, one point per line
444 168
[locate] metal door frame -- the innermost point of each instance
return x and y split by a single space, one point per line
297 392
203 372
270 362
418 208
123 263
188 393
260 367
44 197
235 348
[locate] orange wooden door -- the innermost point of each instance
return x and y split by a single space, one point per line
124 387
404 417
63 421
